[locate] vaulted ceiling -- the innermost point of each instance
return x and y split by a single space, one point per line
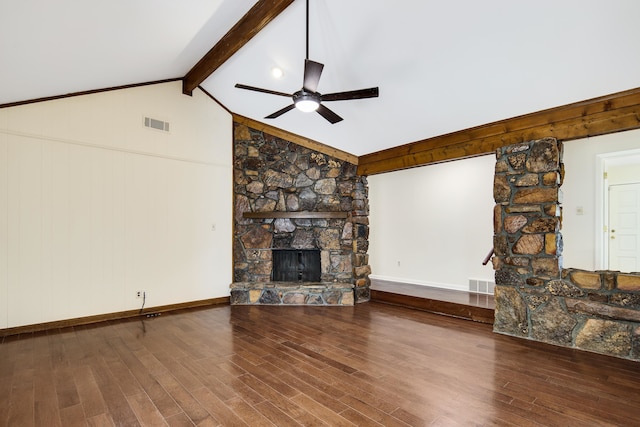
441 66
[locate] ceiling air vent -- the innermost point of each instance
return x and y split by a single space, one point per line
156 124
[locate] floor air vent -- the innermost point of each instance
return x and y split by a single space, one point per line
156 124
481 286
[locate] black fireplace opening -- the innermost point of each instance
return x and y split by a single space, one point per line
295 265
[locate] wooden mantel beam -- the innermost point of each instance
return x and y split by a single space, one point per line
263 12
607 114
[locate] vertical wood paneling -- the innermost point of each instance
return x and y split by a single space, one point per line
100 225
94 207
78 289
46 289
117 287
221 238
190 215
103 231
61 257
25 233
143 236
4 249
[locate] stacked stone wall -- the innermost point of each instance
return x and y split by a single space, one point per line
275 175
535 297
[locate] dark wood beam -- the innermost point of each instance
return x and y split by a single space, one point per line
86 92
263 12
298 139
607 114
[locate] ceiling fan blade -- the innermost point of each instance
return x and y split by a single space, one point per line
280 112
354 94
328 114
257 89
312 73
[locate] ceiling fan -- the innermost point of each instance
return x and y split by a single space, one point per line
308 99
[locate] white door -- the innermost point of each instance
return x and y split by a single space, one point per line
624 227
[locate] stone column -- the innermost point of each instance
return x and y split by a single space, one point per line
527 240
360 221
536 297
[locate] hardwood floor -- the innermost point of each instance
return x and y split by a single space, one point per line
465 305
372 364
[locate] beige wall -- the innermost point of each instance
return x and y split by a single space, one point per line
94 206
433 225
582 195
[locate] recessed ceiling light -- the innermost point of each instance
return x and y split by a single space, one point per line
277 72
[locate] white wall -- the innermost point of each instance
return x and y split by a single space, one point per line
580 190
94 206
436 221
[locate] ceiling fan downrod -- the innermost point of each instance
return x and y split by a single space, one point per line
308 98
307 57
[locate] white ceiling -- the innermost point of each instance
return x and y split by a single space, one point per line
441 66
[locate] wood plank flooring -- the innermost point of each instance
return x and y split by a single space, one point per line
465 305
369 365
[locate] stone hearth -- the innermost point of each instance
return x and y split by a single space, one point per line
292 197
287 293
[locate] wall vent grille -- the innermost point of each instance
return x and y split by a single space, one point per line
481 286
156 124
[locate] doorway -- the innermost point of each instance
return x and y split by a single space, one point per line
619 201
624 227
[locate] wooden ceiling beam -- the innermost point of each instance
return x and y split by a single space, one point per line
607 114
297 139
263 12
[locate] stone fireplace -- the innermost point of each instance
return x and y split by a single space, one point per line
536 298
295 201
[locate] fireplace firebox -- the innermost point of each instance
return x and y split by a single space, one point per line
296 265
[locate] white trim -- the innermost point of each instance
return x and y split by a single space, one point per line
601 216
422 283
106 147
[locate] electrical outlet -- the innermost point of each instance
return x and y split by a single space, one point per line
139 294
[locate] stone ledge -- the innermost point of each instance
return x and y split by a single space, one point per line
287 293
296 215
602 310
290 285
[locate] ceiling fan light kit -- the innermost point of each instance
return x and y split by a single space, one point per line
307 99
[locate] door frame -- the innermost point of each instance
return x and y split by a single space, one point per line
603 162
